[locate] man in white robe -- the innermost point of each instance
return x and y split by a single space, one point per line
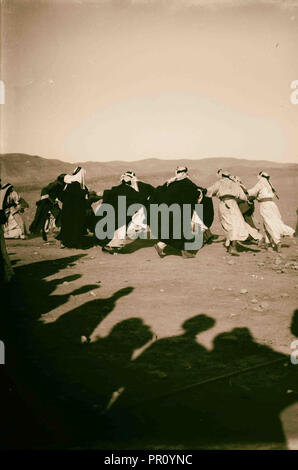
274 227
232 221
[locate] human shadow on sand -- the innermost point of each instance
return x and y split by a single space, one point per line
53 362
35 291
179 395
175 394
89 373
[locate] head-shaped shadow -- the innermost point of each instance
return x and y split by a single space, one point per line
168 363
198 324
128 335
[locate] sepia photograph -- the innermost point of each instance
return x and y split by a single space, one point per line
149 227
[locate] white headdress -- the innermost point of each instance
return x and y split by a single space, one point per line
129 177
181 172
78 176
224 173
263 174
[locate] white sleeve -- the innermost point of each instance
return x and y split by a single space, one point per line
241 194
254 191
15 197
212 190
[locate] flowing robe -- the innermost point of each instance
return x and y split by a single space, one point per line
179 193
110 196
73 223
273 224
46 204
229 213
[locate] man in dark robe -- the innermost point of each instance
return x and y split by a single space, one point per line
179 190
208 217
73 215
93 197
47 203
135 192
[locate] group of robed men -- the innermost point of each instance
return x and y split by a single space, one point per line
68 201
237 222
235 210
76 215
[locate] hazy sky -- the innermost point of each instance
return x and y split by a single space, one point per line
132 79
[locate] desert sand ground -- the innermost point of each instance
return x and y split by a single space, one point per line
83 324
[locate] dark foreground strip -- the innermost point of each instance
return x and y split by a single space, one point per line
203 382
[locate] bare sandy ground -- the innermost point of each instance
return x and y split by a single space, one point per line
166 292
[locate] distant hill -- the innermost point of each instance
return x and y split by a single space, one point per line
30 173
34 171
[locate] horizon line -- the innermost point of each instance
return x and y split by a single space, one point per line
150 158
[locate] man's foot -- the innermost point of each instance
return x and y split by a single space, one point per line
209 240
160 251
108 249
278 247
209 237
233 250
187 254
113 250
262 244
